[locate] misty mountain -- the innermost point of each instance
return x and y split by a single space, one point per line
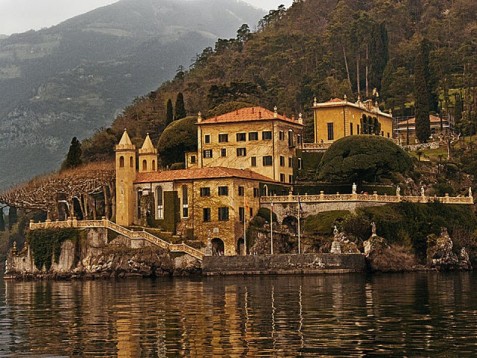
74 78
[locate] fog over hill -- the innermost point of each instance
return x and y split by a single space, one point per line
73 78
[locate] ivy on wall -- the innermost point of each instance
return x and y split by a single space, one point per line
46 244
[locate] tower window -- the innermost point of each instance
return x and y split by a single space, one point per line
253 161
331 135
144 165
253 136
121 162
223 214
208 153
223 190
223 152
206 214
207 138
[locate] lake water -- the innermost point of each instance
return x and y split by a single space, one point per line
422 314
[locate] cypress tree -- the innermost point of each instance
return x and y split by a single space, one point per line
180 107
73 158
423 125
2 220
169 112
12 216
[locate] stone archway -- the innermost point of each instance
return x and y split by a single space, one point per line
240 249
291 222
218 247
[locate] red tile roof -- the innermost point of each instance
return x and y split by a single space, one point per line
248 114
335 100
199 173
432 119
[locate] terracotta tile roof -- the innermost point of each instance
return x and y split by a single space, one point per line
199 173
248 114
335 100
432 118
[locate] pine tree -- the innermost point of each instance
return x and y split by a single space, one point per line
169 112
73 158
180 107
423 125
2 220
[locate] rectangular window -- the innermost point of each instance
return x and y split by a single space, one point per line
206 214
251 212
223 214
253 161
281 135
241 152
223 190
192 159
282 177
266 135
290 179
241 191
223 138
185 201
291 139
267 161
282 161
207 138
290 162
241 214
351 129
388 134
205 191
382 133
253 136
331 134
208 153
241 137
255 192
223 152
357 129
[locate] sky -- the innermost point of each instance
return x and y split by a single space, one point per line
23 15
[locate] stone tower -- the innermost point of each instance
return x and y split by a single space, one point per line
125 176
147 156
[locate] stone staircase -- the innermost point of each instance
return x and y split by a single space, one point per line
104 223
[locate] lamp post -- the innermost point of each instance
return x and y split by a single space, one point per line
271 228
299 227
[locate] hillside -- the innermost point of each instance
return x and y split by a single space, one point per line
73 78
327 48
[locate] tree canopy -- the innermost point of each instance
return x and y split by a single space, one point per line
179 137
363 158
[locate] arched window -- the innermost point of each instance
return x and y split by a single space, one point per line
153 165
160 203
144 165
121 162
131 162
185 202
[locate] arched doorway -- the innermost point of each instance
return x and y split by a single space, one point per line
292 223
240 249
217 247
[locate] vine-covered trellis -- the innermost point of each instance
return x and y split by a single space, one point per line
87 192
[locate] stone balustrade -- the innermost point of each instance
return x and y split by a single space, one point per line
464 200
105 223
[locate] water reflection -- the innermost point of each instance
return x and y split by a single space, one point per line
348 315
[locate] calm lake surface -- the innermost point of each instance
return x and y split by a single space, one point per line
422 314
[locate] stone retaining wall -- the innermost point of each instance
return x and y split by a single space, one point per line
283 264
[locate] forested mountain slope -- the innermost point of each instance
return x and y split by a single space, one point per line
325 48
74 78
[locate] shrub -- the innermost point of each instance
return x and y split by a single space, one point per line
363 158
322 223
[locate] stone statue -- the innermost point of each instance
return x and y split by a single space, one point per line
353 188
422 191
335 231
398 191
373 229
470 192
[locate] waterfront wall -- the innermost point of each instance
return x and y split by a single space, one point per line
283 264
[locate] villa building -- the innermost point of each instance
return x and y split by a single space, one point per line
241 155
340 118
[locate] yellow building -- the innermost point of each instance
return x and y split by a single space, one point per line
339 118
249 138
208 203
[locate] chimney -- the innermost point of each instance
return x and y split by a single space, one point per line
199 117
